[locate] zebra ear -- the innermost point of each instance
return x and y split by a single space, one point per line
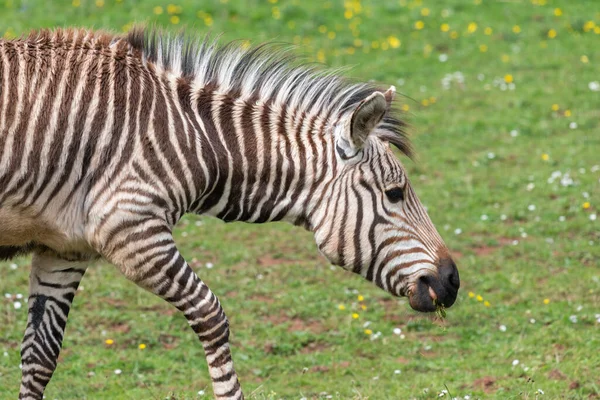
351 138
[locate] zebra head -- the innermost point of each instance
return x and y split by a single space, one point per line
370 220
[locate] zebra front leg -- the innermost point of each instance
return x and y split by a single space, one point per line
52 286
148 256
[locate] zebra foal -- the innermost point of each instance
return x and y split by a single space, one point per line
107 140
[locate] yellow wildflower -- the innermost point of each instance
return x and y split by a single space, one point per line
355 315
425 102
363 307
508 78
444 27
321 56
505 58
174 19
586 205
483 48
552 33
76 3
488 31
471 295
331 35
486 303
405 107
99 3
425 11
479 298
453 35
142 346
557 12
568 113
157 10
419 25
109 341
360 297
173 9
555 107
516 29
275 13
394 42
545 157
584 59
348 14
368 332
472 27
546 301
322 29
341 307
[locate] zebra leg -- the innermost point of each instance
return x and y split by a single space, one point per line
52 286
152 261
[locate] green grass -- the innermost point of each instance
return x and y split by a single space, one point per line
289 337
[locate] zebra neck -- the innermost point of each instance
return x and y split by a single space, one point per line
261 162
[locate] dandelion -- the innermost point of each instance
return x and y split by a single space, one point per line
419 25
568 113
405 107
453 35
555 107
584 59
109 342
444 27
486 303
425 11
174 19
479 298
355 315
471 295
76 3
546 301
552 33
331 35
142 346
394 42
488 31
483 48
516 29
472 27
368 332
348 14
275 13
341 307
363 307
586 205
508 78
360 297
99 3
557 12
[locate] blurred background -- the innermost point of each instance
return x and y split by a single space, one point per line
503 99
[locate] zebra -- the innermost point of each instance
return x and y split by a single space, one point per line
107 140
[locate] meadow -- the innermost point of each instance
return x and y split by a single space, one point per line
503 102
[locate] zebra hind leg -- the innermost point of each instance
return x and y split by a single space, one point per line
153 262
52 286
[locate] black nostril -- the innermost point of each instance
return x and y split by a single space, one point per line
449 272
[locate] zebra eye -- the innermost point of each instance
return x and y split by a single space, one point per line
395 195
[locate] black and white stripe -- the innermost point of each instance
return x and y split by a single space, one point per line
106 141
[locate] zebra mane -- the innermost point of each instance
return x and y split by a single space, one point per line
268 71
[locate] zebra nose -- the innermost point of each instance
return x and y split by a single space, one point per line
449 281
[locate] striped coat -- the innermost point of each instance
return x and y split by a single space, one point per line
106 141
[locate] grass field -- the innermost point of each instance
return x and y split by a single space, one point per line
503 98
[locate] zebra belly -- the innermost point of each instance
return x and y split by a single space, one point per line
21 233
